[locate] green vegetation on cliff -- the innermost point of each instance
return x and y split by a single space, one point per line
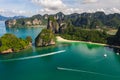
23 22
84 20
29 39
45 38
73 33
53 24
10 41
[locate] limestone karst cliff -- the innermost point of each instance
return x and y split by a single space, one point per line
45 38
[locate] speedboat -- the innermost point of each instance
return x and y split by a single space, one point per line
105 55
117 53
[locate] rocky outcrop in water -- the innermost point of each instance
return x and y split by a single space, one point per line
10 43
45 38
7 51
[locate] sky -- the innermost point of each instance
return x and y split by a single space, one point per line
32 7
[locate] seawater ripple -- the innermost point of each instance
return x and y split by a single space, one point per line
37 56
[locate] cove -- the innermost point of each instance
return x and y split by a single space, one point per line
77 56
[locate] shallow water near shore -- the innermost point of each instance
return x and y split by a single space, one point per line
78 61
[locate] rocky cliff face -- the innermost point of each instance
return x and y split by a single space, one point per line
36 22
23 22
7 51
53 26
45 38
84 20
56 25
10 23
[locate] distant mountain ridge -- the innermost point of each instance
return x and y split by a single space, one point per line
84 20
3 18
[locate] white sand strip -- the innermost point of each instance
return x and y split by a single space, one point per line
60 39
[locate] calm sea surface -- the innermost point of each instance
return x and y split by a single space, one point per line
65 61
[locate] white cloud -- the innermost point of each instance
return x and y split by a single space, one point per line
78 6
89 1
50 4
115 10
103 10
65 6
14 12
2 10
78 10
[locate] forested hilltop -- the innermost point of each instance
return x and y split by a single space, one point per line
84 20
66 29
10 43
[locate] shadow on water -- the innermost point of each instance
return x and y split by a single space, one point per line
23 32
92 46
89 46
26 52
117 53
33 51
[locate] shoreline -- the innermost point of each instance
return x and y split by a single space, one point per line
60 39
36 26
31 26
11 51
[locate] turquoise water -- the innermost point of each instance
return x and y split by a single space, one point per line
65 61
20 32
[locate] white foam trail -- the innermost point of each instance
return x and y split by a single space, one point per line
37 56
75 70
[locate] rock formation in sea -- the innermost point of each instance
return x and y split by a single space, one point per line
45 38
55 25
10 43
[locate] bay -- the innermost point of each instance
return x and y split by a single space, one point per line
64 61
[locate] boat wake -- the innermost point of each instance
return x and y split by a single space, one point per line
83 71
37 56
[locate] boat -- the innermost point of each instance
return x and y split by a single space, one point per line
105 55
117 53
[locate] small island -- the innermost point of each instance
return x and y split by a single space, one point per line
10 43
45 38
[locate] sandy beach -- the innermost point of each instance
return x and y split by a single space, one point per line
60 39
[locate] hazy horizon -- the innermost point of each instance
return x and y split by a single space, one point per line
32 7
